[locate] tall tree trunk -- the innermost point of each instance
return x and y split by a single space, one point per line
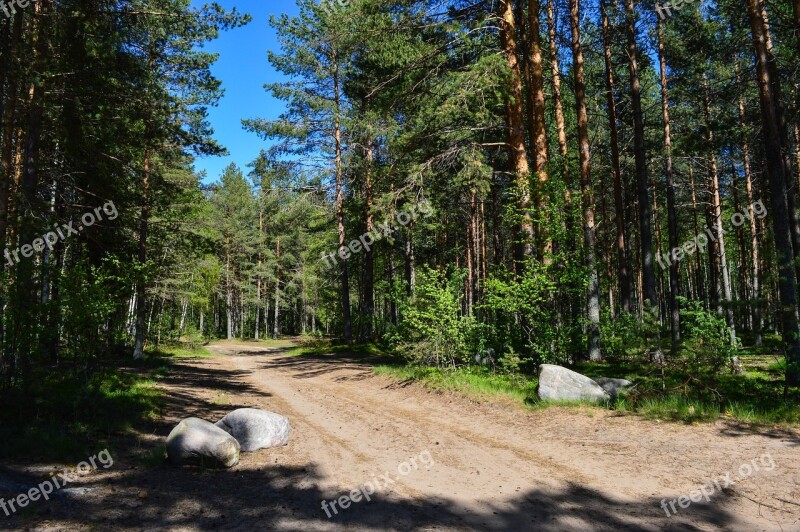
744 268
716 206
791 191
777 178
593 289
258 263
642 177
561 128
623 263
755 295
345 294
672 216
276 328
539 140
516 136
369 253
144 220
228 289
700 277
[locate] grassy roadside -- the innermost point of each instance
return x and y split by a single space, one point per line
753 398
67 414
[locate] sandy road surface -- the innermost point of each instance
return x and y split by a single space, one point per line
481 466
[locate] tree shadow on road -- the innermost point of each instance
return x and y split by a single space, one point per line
289 498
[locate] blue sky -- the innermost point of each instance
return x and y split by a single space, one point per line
243 69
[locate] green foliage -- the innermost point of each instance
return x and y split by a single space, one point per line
519 318
474 382
705 348
434 330
625 338
64 417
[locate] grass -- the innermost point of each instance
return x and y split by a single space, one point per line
68 414
474 382
180 351
755 398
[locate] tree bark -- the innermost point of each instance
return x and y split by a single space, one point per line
642 177
345 276
369 253
672 216
561 128
539 140
623 263
139 335
776 172
755 295
716 206
276 327
516 136
593 289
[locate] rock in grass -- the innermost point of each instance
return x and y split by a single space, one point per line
613 387
256 429
561 384
194 441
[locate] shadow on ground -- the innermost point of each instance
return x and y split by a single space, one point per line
287 498
278 497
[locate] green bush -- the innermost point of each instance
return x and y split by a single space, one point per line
434 330
705 347
520 317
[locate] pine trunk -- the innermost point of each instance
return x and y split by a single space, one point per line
672 216
776 172
539 140
587 197
623 263
642 178
345 276
516 136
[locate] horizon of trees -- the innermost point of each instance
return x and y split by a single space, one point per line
564 148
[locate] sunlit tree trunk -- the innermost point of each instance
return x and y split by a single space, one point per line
345 276
516 135
539 139
716 206
587 197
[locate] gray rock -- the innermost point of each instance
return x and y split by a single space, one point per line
613 387
256 429
195 440
561 384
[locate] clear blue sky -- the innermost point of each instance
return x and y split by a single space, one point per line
243 69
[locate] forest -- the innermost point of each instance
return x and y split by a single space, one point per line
451 200
464 186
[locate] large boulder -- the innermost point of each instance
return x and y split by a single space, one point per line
561 384
613 387
195 441
256 429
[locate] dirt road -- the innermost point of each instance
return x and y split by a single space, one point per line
436 462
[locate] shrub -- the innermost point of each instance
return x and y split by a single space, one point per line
434 330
